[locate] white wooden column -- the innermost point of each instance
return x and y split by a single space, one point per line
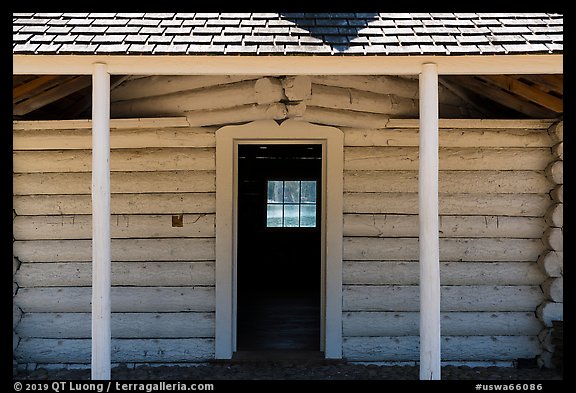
428 222
101 254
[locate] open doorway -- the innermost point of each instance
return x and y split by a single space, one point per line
279 247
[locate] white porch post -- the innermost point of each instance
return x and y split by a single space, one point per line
428 222
101 254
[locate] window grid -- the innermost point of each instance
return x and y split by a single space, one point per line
291 204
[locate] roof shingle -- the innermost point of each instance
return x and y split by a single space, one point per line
287 33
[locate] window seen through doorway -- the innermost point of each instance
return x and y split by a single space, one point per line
291 203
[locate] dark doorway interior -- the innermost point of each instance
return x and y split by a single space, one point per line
279 247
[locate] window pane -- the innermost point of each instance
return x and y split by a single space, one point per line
308 216
291 216
275 191
308 192
274 216
291 191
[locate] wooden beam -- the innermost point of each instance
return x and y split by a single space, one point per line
36 86
524 90
471 99
502 97
288 65
551 82
51 95
21 79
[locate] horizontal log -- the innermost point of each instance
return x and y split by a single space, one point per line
238 114
555 215
123 325
526 205
16 316
385 84
260 91
45 350
63 139
555 172
449 137
383 103
545 337
514 182
15 341
556 131
174 203
451 273
148 274
399 225
549 312
354 181
453 298
454 348
554 289
166 84
123 299
295 110
179 249
342 118
15 265
120 182
366 323
547 359
557 194
553 238
558 151
528 124
361 101
356 158
127 160
180 121
121 226
137 122
382 84
451 249
56 139
552 263
450 159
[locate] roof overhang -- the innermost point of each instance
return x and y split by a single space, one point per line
288 65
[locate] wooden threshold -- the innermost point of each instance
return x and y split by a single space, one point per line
283 355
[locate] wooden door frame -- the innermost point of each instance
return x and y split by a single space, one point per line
269 131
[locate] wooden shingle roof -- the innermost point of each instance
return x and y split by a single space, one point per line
357 34
267 36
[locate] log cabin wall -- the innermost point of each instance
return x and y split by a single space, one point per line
163 243
496 187
493 197
550 312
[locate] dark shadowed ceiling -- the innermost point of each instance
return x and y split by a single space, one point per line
53 97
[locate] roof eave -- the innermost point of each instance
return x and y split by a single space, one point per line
541 63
